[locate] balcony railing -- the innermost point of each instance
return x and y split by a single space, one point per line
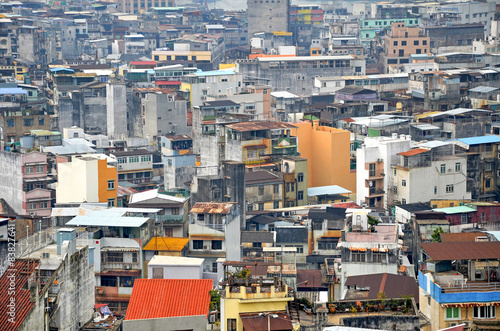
170 218
471 287
376 191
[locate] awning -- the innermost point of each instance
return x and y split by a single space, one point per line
471 304
258 322
120 249
205 237
358 249
328 238
255 147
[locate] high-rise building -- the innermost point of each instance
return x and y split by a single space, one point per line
267 16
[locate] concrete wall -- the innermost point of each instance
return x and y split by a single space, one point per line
77 181
11 180
167 324
165 115
382 322
233 234
116 112
177 271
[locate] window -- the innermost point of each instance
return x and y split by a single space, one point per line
443 168
487 183
32 205
487 166
395 43
276 204
290 187
133 159
485 312
145 158
371 169
379 257
403 182
250 207
452 313
113 257
449 188
231 324
216 244
435 190
197 244
419 51
276 188
41 121
28 122
403 201
10 123
126 281
300 177
134 257
43 205
403 43
111 184
111 202
261 206
109 281
416 43
483 217
300 195
358 257
40 168
122 160
424 42
464 218
458 167
261 190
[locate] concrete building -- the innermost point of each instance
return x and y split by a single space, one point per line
295 181
86 179
216 84
296 74
457 37
274 14
241 310
379 83
173 304
24 182
462 293
327 151
439 166
116 114
364 252
369 28
164 114
402 41
174 211
116 249
178 160
214 232
470 13
173 267
374 175
264 190
135 167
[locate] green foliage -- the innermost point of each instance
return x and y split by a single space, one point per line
214 300
372 220
436 236
242 274
305 302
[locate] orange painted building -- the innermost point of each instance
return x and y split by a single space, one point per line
327 151
108 182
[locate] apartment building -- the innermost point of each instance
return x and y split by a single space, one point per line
136 168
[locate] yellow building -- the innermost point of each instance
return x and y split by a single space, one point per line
243 308
327 151
441 203
87 179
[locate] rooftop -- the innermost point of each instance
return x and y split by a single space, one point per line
175 261
461 237
171 244
259 125
327 190
161 298
479 140
261 177
212 207
455 210
113 217
132 152
448 251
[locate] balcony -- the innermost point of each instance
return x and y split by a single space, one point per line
170 218
374 191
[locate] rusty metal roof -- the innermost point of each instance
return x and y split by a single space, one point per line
447 251
260 125
212 207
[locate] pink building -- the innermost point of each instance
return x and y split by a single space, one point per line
36 195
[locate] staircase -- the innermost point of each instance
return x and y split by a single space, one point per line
294 307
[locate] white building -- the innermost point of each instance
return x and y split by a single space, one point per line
432 171
373 168
175 267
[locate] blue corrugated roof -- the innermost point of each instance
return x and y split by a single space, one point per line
61 69
12 90
327 190
479 140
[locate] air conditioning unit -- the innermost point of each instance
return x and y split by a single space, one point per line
206 247
126 267
120 167
203 97
32 214
451 324
315 253
380 160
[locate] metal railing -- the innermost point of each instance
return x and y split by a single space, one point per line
471 287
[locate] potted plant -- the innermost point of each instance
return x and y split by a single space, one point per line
331 307
394 305
373 221
354 310
381 297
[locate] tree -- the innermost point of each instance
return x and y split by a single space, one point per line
436 236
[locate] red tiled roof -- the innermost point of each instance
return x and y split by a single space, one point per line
143 63
414 151
167 82
161 298
447 251
348 120
346 205
21 270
